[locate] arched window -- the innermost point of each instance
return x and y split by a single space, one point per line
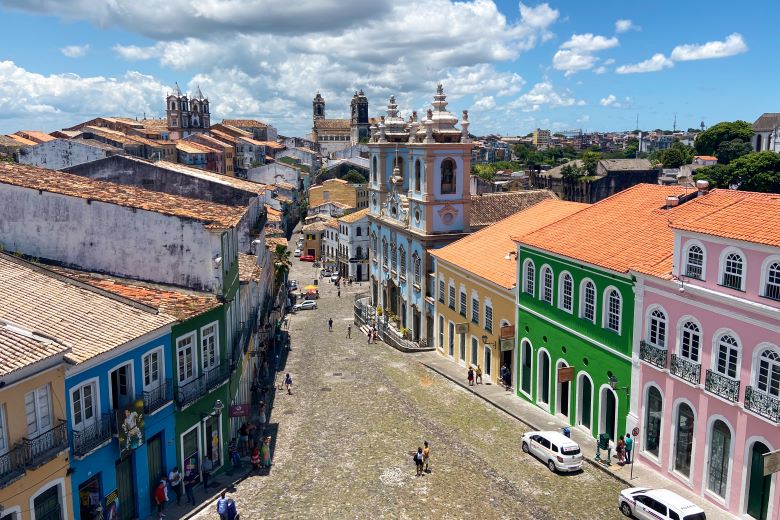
653 416
690 341
417 174
768 377
402 260
528 277
173 105
448 176
373 169
720 453
393 257
566 293
612 316
733 270
417 264
727 359
385 253
683 442
546 293
772 281
588 302
694 262
656 328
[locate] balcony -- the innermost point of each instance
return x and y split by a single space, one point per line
721 385
156 398
92 436
192 391
763 404
45 446
654 355
11 465
685 369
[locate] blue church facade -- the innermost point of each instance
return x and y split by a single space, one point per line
419 200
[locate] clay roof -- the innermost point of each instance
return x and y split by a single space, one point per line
333 224
332 124
766 122
155 124
272 242
173 301
236 182
284 185
35 135
7 140
222 136
190 147
492 207
244 123
482 253
316 226
247 267
20 347
21 140
31 177
354 217
230 130
83 318
94 143
628 230
705 157
736 215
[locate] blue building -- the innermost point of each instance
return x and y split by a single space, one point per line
419 200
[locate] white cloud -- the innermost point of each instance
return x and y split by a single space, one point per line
544 94
485 103
577 53
589 42
612 101
75 51
733 44
607 101
622 26
656 63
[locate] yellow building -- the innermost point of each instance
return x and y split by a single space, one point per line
338 190
475 279
314 238
34 481
541 139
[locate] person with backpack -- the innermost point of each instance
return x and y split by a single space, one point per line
161 496
418 461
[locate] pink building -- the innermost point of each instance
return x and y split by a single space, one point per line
708 389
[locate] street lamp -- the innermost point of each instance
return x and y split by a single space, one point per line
218 407
613 381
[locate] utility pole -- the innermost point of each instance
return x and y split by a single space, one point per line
674 126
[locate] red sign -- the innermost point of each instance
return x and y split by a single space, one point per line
239 410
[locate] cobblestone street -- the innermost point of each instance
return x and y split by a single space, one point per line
343 440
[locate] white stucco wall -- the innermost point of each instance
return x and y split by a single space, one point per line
60 153
274 172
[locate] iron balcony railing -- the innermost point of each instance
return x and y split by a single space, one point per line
158 397
762 403
12 465
685 369
46 445
721 385
201 385
652 354
93 435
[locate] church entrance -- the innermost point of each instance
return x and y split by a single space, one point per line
416 317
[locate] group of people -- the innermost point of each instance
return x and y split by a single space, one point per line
623 449
174 480
422 459
474 375
506 377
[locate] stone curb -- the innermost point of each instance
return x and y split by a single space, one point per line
522 420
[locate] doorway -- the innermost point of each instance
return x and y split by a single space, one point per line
608 409
759 486
563 392
359 273
543 378
506 360
488 363
90 497
154 463
121 387
585 401
125 487
47 505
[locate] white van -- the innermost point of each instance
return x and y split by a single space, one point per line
657 504
559 452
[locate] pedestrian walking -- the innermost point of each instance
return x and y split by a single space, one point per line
330 324
174 480
265 368
189 485
276 362
266 452
288 383
426 457
418 461
338 292
232 514
470 376
222 508
206 468
507 379
629 447
255 459
478 375
161 496
235 458
349 331
620 451
261 419
243 439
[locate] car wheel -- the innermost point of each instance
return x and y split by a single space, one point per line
525 447
626 509
551 465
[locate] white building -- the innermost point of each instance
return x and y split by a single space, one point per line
352 246
64 153
766 133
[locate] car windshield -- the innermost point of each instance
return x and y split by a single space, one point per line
695 516
570 450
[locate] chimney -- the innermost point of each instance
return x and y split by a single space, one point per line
703 187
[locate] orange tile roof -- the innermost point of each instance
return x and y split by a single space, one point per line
737 215
354 217
52 181
482 253
272 242
246 123
21 140
332 224
247 267
190 147
705 157
629 230
35 135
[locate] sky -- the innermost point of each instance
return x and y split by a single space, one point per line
561 65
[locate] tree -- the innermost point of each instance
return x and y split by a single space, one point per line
354 177
590 161
675 156
485 171
281 263
758 171
718 175
730 150
707 142
570 171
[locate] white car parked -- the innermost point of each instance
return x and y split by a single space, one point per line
307 305
559 452
335 277
657 504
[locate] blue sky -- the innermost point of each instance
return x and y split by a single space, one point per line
560 65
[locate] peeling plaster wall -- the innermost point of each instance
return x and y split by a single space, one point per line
61 153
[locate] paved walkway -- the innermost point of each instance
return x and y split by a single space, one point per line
538 419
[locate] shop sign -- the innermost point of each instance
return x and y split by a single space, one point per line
565 374
239 410
771 462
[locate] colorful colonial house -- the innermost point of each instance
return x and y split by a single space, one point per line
575 306
476 275
708 383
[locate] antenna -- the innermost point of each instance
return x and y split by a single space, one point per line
674 127
637 121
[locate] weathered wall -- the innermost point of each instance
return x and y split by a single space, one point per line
60 153
274 172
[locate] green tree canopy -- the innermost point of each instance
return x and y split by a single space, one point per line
730 150
354 177
755 171
708 141
590 161
281 263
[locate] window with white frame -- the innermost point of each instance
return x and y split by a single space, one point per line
3 431
37 407
727 359
612 319
588 305
656 328
441 291
546 293
768 377
475 310
694 262
690 341
528 277
463 303
452 297
772 281
488 317
733 271
84 403
566 293
152 367
185 357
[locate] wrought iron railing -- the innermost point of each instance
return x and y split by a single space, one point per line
721 385
46 445
685 369
652 354
762 403
201 385
156 398
93 435
12 465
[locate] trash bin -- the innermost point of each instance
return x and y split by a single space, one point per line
316 282
567 432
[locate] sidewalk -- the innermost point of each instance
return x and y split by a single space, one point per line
537 419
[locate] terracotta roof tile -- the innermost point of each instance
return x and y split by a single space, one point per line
20 347
214 215
272 242
332 124
21 140
244 123
236 182
247 267
482 253
354 217
35 135
492 207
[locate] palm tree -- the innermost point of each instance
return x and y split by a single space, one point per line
281 263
